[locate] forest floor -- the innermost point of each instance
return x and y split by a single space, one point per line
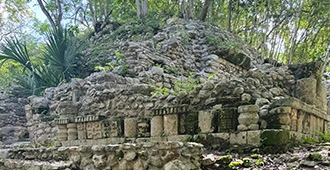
313 156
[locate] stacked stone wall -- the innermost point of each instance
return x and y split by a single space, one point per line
164 155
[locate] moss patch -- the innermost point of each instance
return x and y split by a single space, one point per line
275 137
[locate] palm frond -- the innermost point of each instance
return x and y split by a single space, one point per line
60 52
14 50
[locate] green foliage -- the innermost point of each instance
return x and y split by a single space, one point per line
260 162
147 25
247 162
107 68
186 85
324 137
309 140
55 67
235 164
181 86
226 159
315 157
191 138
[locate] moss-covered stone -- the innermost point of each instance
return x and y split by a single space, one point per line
247 163
235 164
226 159
260 162
275 137
255 156
314 157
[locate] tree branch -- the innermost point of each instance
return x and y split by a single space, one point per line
44 10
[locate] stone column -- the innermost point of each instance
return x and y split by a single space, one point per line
130 127
171 125
301 117
62 132
72 131
294 119
157 126
81 131
248 117
205 121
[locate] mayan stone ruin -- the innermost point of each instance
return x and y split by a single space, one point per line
179 94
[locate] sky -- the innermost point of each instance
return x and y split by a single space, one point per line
36 10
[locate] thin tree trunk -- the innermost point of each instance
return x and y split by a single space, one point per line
205 9
144 8
138 8
229 15
92 12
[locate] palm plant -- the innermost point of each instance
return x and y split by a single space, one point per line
17 51
60 52
57 64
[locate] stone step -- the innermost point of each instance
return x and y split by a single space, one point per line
35 165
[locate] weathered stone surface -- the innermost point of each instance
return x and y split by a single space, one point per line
248 108
130 125
171 124
239 138
253 138
206 121
157 126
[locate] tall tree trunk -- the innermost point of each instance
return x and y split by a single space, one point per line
205 9
230 7
144 8
141 8
186 8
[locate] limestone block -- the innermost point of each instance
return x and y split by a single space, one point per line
205 121
312 125
284 119
81 131
301 117
248 108
72 131
306 124
242 127
62 132
275 137
322 99
253 138
293 117
248 118
94 130
171 124
295 135
130 127
238 138
157 126
253 127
